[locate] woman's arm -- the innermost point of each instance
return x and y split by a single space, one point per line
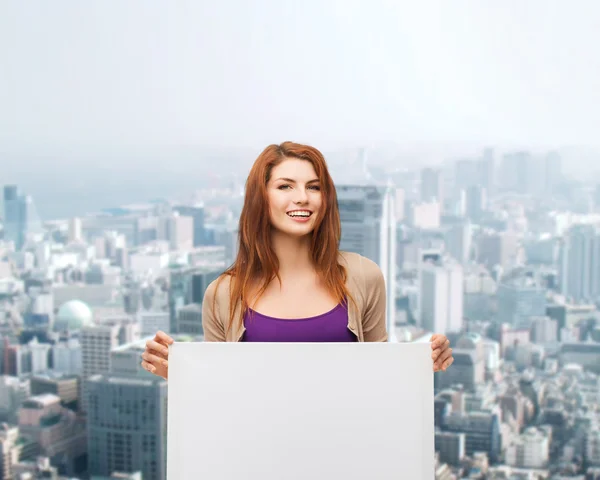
374 322
214 330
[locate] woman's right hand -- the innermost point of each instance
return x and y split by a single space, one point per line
155 358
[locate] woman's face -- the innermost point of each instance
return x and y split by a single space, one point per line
295 197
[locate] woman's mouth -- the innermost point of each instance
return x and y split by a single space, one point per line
299 215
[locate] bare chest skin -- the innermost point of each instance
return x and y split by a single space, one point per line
298 298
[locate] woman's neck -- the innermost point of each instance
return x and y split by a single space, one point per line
293 254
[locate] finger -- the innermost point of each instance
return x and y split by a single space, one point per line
447 363
437 351
147 366
164 337
154 359
157 347
159 341
440 345
443 357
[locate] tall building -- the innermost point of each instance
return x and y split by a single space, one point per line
481 429
13 391
497 249
579 263
20 216
469 367
12 215
517 172
97 341
187 285
39 355
432 186
519 301
451 447
552 171
476 202
57 430
466 173
197 213
67 356
369 229
441 296
458 241
75 227
127 418
531 449
181 232
487 168
424 215
10 449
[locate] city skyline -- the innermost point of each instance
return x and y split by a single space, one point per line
462 141
487 249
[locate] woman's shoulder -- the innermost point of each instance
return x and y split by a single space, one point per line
360 266
218 288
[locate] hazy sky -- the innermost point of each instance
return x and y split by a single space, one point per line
81 74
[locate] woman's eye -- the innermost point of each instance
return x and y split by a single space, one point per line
312 187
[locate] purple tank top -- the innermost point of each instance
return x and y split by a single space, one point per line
331 326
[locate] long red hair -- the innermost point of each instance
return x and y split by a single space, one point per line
256 262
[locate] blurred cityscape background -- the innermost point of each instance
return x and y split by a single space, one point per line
464 148
501 252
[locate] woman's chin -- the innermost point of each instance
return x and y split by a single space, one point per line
297 231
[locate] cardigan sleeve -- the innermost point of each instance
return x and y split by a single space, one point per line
212 324
374 319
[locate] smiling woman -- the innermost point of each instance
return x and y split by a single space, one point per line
290 282
294 193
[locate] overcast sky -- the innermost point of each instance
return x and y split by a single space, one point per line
121 73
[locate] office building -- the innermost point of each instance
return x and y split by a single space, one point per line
21 219
127 418
369 229
519 301
579 264
441 296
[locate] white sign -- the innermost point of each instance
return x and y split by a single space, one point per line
300 411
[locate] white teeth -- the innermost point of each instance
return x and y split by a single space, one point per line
299 214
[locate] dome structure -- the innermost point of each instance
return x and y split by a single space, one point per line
73 315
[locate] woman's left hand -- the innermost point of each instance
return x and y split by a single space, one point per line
441 352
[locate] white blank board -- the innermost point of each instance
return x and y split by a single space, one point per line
299 411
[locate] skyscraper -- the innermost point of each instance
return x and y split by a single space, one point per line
20 216
441 292
97 341
127 418
458 241
369 229
579 263
13 216
432 186
520 300
197 213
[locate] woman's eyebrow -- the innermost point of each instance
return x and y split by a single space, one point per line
294 181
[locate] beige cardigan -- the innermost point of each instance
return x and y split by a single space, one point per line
365 283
